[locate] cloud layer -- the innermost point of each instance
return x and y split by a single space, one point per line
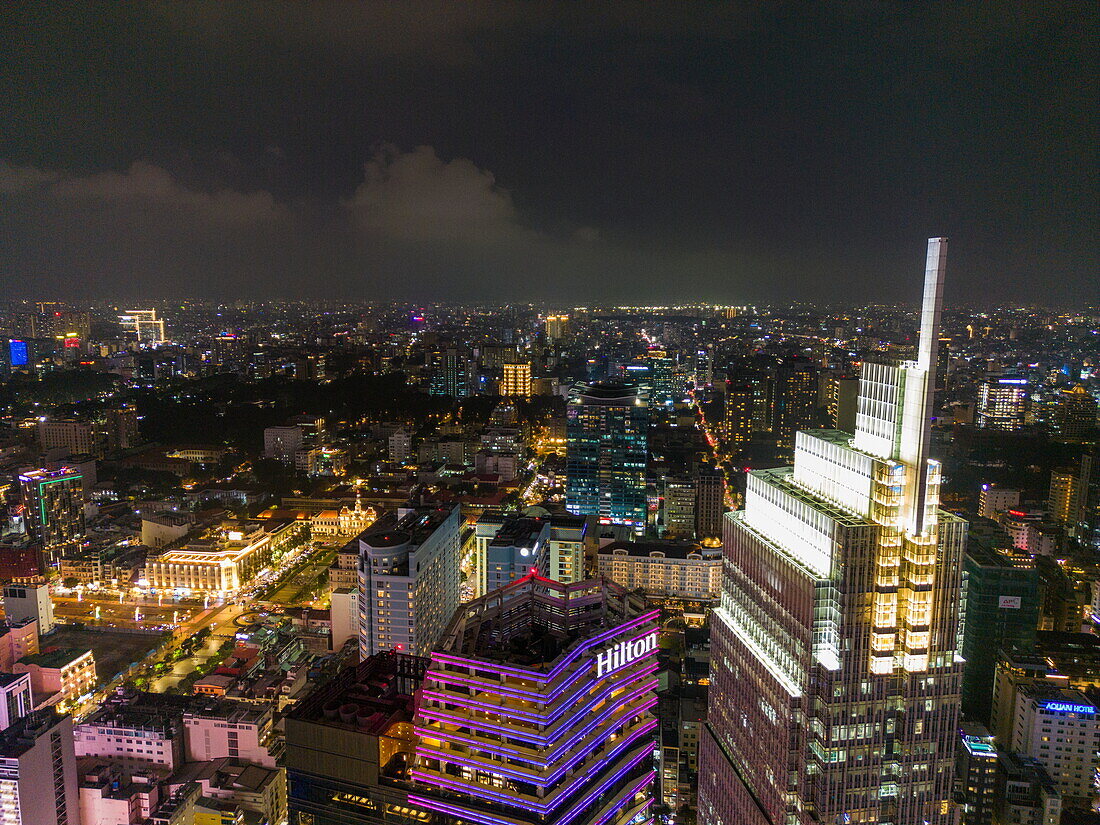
481 151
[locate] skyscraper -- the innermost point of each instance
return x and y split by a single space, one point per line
1075 417
1002 403
606 452
737 425
53 505
408 579
38 776
516 382
795 398
835 679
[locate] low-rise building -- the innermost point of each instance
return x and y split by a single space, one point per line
673 570
251 788
135 730
159 529
226 558
69 674
18 638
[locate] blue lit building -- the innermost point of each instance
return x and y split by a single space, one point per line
606 451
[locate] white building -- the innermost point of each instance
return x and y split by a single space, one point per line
283 442
992 500
1061 729
29 601
78 437
226 728
682 571
400 446
159 529
409 579
16 699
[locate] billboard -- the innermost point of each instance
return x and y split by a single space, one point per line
1010 602
17 353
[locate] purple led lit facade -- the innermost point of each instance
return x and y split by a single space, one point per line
538 708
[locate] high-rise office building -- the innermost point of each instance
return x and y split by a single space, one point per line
450 374
53 505
835 675
710 503
1002 403
516 382
1064 499
352 766
122 428
1075 416
143 326
537 708
795 398
662 377
678 507
843 400
737 425
38 776
976 769
606 453
282 443
557 326
408 579
1001 608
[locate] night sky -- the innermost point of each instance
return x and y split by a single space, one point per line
574 152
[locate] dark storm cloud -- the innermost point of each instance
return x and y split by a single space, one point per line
641 152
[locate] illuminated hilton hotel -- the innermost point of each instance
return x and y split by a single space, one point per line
834 672
537 708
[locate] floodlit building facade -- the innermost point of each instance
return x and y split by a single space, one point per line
835 680
516 381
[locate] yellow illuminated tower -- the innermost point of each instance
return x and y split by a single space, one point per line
516 382
835 677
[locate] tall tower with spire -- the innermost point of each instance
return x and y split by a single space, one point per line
835 674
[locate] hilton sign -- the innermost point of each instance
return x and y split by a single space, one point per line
624 653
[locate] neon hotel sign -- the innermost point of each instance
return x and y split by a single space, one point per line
625 653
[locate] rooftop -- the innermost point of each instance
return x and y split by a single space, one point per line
369 697
667 549
532 622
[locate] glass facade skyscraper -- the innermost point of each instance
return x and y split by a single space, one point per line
835 677
606 451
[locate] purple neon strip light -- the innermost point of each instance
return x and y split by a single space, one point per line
520 693
458 787
543 810
444 715
547 759
462 813
604 786
428 734
549 677
532 778
528 715
618 806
